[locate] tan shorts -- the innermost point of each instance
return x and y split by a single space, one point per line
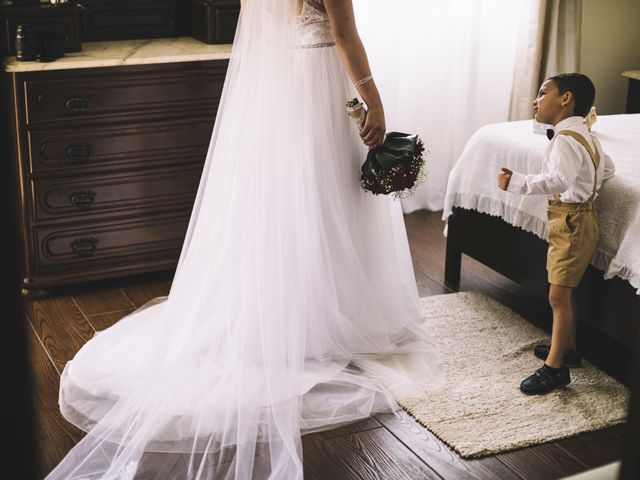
573 237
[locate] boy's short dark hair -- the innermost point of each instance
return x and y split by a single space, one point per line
582 88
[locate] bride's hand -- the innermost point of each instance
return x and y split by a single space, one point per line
374 128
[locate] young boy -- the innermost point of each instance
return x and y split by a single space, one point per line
574 168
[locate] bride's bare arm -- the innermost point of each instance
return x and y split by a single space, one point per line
355 61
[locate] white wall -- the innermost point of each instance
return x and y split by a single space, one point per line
610 46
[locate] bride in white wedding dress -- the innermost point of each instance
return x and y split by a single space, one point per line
294 306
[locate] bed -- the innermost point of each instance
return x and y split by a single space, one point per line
507 232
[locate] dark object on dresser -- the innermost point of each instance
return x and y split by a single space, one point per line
42 47
108 162
633 92
608 306
26 46
129 19
63 21
211 21
51 47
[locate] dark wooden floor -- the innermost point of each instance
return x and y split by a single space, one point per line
384 447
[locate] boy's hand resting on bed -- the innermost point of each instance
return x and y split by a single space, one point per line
504 177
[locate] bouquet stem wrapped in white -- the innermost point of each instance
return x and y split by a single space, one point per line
357 111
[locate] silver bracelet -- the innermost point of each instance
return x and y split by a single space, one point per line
362 81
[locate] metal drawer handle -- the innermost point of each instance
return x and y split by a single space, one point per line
78 104
82 199
79 153
84 247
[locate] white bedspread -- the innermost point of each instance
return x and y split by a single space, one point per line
472 185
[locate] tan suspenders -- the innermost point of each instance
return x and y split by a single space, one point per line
595 159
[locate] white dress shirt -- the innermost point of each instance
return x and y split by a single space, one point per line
567 168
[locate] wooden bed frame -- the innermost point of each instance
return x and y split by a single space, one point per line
609 306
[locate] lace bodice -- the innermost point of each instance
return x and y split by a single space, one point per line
312 26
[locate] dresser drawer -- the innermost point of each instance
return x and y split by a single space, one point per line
133 193
115 96
64 151
99 244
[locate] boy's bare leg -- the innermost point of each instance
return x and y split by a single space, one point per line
563 333
573 343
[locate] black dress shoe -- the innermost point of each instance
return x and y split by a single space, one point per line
572 358
545 380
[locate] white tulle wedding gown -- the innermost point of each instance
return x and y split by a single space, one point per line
293 308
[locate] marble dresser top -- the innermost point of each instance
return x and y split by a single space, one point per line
635 74
128 52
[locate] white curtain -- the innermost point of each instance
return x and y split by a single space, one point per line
548 44
444 68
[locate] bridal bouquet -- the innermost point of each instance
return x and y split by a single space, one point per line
397 166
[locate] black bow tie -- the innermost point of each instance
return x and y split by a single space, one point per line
550 133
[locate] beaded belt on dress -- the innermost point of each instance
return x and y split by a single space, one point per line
317 45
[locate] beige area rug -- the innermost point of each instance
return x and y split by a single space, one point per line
487 350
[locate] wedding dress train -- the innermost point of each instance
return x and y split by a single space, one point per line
293 308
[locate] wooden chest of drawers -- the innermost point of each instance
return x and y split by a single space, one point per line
107 163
